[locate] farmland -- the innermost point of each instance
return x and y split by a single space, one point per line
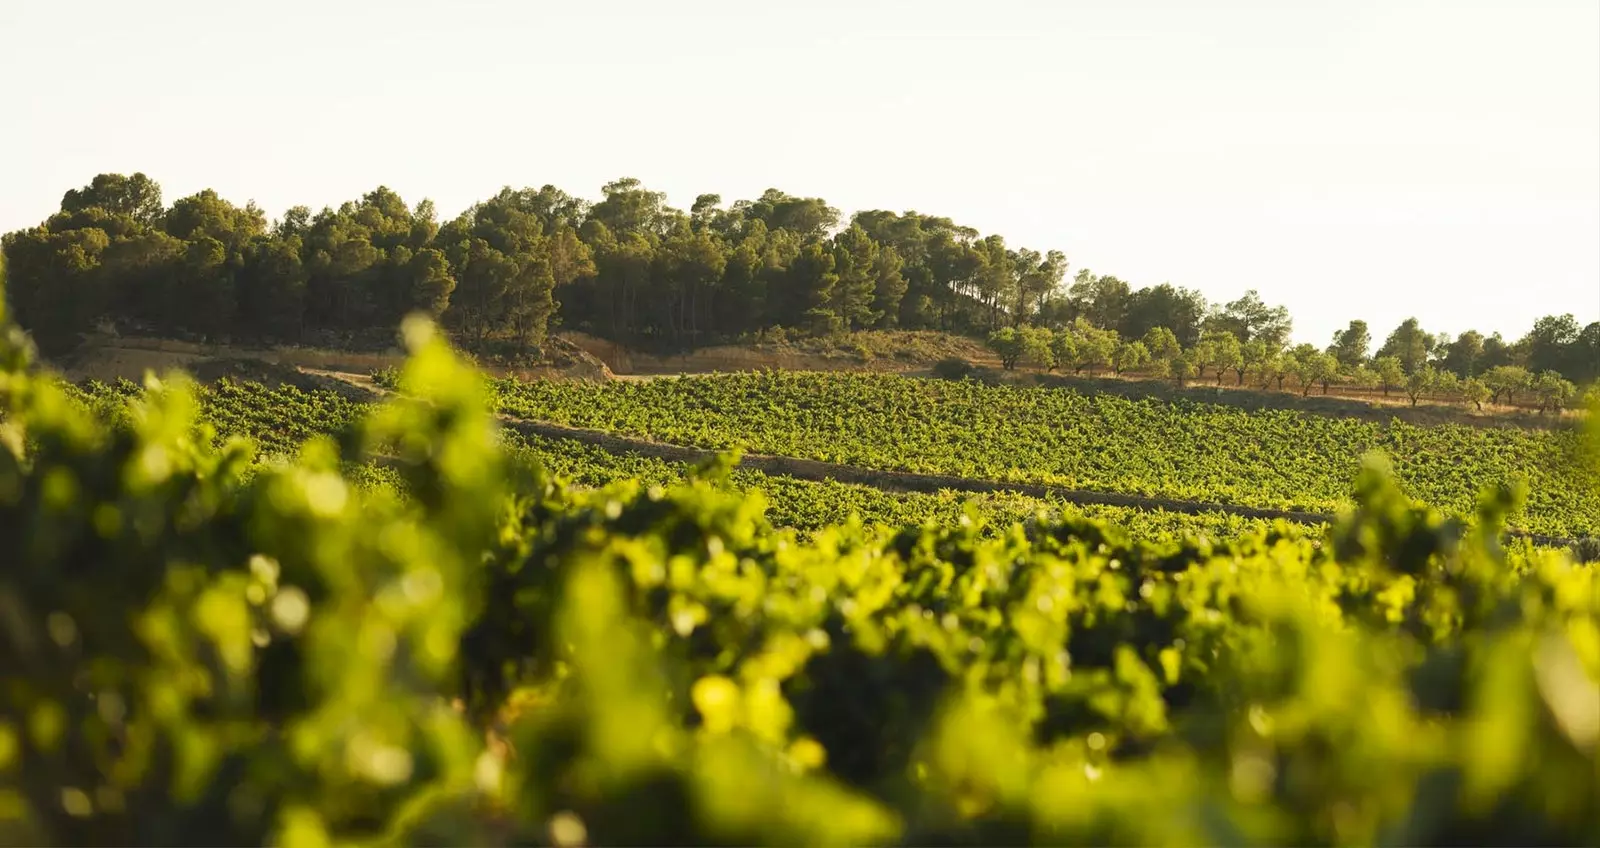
483 635
1217 454
280 419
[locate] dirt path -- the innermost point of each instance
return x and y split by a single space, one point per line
363 381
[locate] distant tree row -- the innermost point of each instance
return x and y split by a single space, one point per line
631 268
1224 352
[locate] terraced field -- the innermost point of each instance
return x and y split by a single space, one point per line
280 419
1185 451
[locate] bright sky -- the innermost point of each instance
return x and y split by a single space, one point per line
1346 158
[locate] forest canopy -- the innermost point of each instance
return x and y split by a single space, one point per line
631 268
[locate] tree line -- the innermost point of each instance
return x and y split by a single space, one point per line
1468 368
633 269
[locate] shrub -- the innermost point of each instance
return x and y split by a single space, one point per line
953 368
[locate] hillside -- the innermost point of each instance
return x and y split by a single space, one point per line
1276 459
472 642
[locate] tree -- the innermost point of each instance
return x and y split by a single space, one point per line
1350 344
1474 390
994 282
1162 344
138 197
1063 349
207 215
1552 344
1287 364
530 302
809 217
1014 344
1316 367
1182 367
623 271
855 257
807 291
55 286
1038 280
357 257
1253 356
431 282
687 266
1362 377
1271 369
1553 390
1506 380
1391 373
629 207
1589 401
484 278
1181 311
888 287
1101 300
140 271
1006 343
1221 350
1495 354
1462 356
1036 346
705 212
1249 319
1094 346
1409 344
571 260
272 289
1421 382
501 257
1446 383
941 268
1130 356
1587 365
205 296
1328 375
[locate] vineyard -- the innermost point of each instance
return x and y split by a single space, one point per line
400 628
281 419
1185 451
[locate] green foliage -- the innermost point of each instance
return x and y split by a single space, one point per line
1312 367
1017 344
1391 373
1217 454
274 417
1007 344
1083 345
1408 344
1162 344
1554 391
1130 356
510 268
201 650
1475 391
1350 344
1183 367
1504 381
1421 381
195 645
1218 350
953 368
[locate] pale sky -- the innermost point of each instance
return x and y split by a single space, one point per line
1348 159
